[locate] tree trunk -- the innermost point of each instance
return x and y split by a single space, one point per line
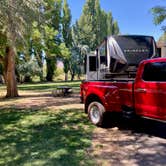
50 68
66 77
40 63
72 76
10 76
79 77
66 68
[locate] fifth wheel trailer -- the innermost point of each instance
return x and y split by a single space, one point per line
119 55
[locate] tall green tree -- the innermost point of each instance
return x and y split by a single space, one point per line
76 60
67 37
36 47
94 25
76 34
52 34
115 28
54 8
51 49
16 19
66 57
109 24
159 14
87 25
112 25
98 21
66 24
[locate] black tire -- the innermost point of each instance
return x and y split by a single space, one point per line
96 113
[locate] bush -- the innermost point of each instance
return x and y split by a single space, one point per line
28 70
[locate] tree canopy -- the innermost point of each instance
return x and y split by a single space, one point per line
16 19
94 25
38 32
159 14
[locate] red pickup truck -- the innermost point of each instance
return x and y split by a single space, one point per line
144 96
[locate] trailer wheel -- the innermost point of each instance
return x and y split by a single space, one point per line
96 112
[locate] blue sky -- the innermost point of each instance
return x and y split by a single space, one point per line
133 16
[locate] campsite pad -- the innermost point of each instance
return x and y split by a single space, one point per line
124 143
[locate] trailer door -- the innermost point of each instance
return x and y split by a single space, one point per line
91 67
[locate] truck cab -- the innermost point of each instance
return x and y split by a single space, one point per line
150 89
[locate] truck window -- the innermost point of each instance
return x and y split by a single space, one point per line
155 72
92 63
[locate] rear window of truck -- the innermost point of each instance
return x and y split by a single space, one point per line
155 72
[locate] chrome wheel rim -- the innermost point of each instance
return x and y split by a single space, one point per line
95 114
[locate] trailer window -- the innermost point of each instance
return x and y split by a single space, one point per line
102 49
92 63
102 54
155 72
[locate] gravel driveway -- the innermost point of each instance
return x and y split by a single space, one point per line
129 143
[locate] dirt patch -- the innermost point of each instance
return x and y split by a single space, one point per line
116 147
122 143
42 100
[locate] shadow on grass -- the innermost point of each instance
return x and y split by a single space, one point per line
44 137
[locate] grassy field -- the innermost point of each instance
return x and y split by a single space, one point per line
43 135
48 86
45 86
41 87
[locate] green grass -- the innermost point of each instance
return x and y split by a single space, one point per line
45 87
48 86
44 137
41 136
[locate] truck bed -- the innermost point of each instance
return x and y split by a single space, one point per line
105 88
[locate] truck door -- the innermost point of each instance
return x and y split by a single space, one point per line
150 91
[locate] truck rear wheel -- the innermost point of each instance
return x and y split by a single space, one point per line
96 112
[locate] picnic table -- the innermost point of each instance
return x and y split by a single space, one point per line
63 90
